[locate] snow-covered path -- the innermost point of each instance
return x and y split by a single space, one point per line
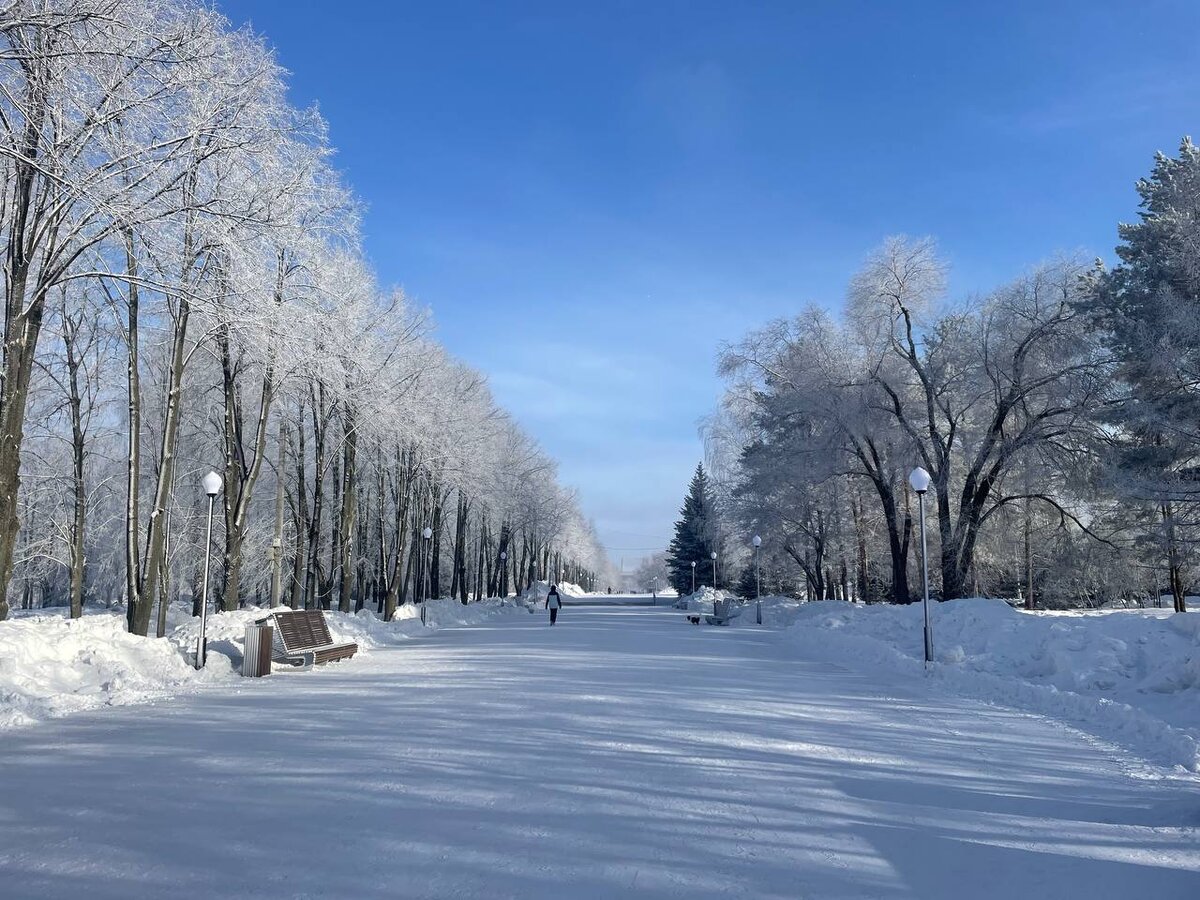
621 753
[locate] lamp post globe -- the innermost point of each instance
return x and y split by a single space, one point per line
212 484
919 480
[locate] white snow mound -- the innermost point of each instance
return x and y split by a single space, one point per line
51 666
1131 676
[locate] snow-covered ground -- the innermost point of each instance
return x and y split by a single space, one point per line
622 753
52 666
1126 675
1131 676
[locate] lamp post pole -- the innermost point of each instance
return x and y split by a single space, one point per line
714 562
502 581
212 486
276 571
693 576
757 581
427 581
919 479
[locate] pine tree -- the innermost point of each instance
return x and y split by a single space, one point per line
747 584
1149 306
695 536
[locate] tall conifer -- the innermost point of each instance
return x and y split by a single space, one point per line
695 536
1150 307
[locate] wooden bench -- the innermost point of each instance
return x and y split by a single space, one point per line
302 639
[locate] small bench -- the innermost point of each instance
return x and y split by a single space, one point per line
718 620
302 639
721 614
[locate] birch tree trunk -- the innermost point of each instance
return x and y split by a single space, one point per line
133 460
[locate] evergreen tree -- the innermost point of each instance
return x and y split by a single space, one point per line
1149 306
747 583
695 536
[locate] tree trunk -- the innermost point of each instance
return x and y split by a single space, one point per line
164 597
860 537
397 584
1030 602
434 562
312 585
22 325
156 532
458 581
133 461
277 542
78 459
349 509
1174 569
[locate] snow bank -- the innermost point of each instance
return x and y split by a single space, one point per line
52 666
533 597
539 590
1128 676
702 601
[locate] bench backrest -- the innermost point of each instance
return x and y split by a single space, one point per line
302 629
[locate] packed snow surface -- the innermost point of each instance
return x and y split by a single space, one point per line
621 753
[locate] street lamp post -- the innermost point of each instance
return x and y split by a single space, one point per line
757 542
427 581
714 562
212 486
693 576
919 479
502 581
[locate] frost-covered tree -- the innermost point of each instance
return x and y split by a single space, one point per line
1149 309
166 212
654 572
836 410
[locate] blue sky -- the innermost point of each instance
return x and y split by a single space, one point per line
592 196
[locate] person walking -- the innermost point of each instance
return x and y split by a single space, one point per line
553 603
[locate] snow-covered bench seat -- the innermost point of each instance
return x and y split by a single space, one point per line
722 612
302 638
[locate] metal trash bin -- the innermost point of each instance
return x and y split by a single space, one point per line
256 662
